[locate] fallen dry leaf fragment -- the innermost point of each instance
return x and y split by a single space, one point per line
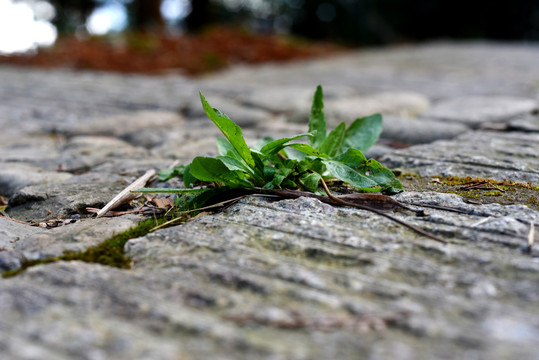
163 203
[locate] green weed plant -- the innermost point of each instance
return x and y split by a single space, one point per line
284 163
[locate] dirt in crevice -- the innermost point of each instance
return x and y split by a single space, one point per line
476 190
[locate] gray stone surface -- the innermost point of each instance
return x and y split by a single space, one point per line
243 116
20 242
314 282
476 110
439 71
11 232
63 331
421 130
295 97
15 176
388 103
141 129
525 123
74 237
350 107
29 149
62 199
126 124
267 279
486 154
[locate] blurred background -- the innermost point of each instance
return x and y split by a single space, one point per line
195 36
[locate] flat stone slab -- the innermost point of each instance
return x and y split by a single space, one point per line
525 123
477 110
405 130
270 279
125 125
495 155
406 104
62 199
16 176
292 279
439 70
20 242
10 233
349 107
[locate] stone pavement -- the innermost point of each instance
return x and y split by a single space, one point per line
289 279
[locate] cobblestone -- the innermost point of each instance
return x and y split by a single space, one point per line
270 279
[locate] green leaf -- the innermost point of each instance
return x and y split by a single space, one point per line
352 157
262 142
317 122
212 169
224 147
309 150
169 191
310 181
310 164
231 131
275 182
191 201
289 184
351 176
332 144
233 163
277 145
338 154
188 178
293 154
382 176
278 177
208 169
259 164
363 133
168 174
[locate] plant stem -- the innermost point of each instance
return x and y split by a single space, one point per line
411 227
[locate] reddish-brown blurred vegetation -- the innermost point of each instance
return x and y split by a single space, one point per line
189 54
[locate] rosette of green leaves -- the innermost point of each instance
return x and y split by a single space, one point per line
284 163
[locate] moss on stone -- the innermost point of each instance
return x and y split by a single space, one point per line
480 190
109 252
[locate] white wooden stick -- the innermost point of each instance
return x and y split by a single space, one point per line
126 195
531 236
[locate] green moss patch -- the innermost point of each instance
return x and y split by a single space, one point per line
480 190
109 252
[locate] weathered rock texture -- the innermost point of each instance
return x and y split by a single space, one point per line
512 156
268 278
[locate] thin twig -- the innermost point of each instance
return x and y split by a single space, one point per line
411 227
116 213
126 195
18 221
182 213
444 208
482 221
480 186
531 238
368 208
330 199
